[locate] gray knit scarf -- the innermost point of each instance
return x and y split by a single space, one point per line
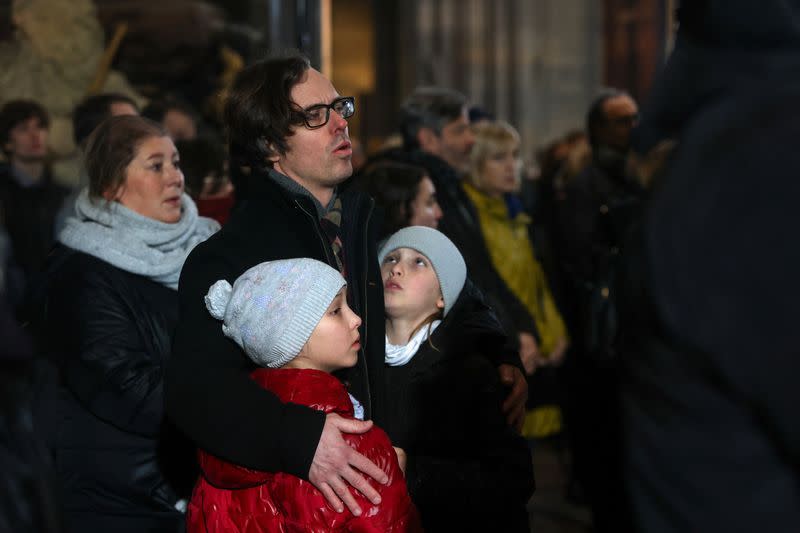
135 243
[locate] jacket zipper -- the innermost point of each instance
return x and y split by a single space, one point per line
366 304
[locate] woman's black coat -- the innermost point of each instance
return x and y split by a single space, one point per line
109 334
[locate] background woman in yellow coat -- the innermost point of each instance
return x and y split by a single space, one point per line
492 185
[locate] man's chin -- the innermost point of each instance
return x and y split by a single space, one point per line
344 172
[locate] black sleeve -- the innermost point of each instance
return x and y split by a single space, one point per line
491 466
109 367
511 312
499 347
576 221
210 396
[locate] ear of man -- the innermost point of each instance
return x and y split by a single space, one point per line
428 140
272 154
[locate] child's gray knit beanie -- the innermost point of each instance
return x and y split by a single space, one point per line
272 309
444 256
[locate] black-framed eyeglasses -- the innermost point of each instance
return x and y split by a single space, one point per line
318 115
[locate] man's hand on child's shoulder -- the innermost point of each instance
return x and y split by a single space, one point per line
337 466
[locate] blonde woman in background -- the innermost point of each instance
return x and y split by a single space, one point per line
493 182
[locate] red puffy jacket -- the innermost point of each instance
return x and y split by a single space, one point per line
231 498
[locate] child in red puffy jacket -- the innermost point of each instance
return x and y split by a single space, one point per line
291 316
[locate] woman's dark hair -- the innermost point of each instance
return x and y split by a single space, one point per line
156 110
394 186
15 112
92 111
259 112
112 146
200 158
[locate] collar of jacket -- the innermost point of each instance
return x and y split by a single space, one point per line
313 388
263 187
471 325
439 169
494 207
14 177
436 165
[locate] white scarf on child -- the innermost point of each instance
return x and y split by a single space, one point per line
398 355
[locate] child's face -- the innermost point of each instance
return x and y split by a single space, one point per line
334 343
410 287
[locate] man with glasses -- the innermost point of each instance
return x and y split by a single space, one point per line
603 185
600 205
288 139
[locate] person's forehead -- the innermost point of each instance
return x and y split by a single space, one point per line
155 144
177 117
620 105
31 121
122 108
459 123
313 88
404 250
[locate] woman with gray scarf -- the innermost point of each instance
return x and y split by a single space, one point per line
108 313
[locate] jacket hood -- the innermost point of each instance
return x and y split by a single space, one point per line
470 325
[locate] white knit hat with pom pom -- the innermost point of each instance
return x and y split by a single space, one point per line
272 309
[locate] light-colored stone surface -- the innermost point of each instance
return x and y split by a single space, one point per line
53 58
536 64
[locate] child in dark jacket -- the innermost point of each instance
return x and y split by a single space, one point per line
466 469
292 317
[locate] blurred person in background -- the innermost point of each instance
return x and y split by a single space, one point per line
405 193
176 117
204 169
600 206
492 185
29 198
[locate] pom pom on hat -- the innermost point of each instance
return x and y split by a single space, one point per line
273 308
217 298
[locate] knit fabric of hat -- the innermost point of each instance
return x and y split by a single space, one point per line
272 309
444 256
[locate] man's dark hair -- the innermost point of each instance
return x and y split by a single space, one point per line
394 186
259 113
94 110
156 110
15 112
429 107
596 117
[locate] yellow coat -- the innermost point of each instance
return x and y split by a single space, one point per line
512 256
